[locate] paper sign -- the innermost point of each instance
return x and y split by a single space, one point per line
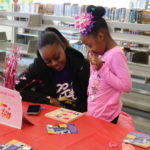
10 108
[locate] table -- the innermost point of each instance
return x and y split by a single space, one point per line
94 134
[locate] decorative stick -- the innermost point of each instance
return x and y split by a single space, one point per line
10 67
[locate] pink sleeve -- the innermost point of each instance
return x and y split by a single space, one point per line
91 68
117 75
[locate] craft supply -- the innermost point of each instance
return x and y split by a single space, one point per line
10 67
138 139
61 129
113 144
64 115
15 145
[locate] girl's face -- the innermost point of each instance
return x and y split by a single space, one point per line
54 56
95 43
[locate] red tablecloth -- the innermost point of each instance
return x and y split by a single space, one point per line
94 134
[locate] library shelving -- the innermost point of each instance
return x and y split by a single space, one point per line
38 22
137 36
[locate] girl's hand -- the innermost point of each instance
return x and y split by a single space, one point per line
95 61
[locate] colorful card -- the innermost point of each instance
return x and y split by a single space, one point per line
138 139
15 145
10 108
64 115
61 129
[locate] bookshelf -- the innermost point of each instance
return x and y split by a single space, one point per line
136 102
131 26
29 20
30 28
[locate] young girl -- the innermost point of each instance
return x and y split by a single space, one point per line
109 75
58 76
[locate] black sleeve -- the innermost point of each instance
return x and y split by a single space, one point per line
28 82
35 97
82 104
81 87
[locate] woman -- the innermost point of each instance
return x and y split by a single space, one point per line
58 76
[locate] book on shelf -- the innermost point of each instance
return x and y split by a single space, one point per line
148 5
149 59
137 56
67 9
132 15
138 79
75 10
145 16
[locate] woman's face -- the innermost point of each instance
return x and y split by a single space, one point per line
54 56
95 43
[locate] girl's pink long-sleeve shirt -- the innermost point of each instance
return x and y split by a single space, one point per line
107 84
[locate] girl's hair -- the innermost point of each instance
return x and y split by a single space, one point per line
99 22
63 39
48 38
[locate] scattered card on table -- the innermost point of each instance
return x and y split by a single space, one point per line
64 115
15 145
61 129
138 139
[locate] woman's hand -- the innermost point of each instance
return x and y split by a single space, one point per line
54 101
95 61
